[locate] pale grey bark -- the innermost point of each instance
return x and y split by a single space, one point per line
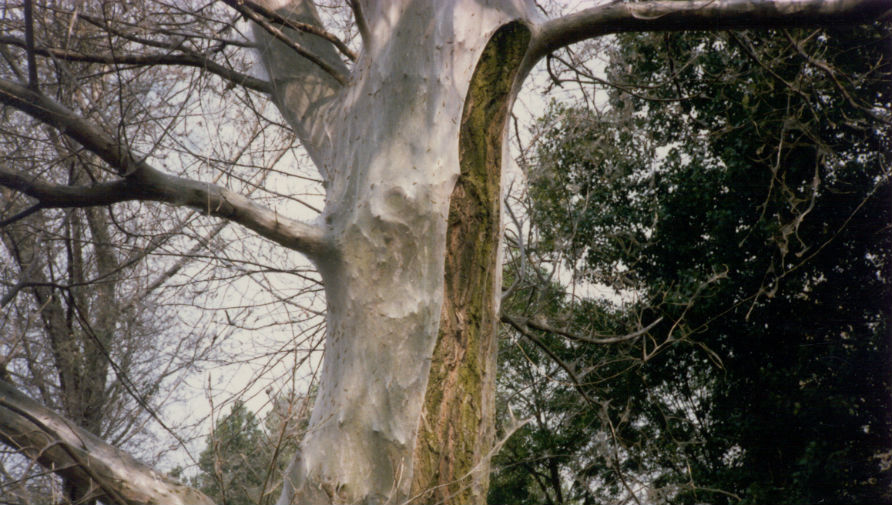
47 437
387 148
677 15
303 92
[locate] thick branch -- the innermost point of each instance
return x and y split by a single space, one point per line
143 182
292 43
290 23
673 15
186 60
79 456
302 90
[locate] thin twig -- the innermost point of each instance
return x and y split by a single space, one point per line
29 42
520 321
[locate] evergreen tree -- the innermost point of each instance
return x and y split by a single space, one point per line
244 456
229 471
744 195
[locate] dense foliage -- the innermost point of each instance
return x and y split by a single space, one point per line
736 189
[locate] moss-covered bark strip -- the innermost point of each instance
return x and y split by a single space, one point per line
456 429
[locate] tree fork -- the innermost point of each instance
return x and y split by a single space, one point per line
456 431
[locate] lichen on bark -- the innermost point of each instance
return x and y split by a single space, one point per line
456 429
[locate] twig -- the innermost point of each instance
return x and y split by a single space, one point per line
29 42
519 321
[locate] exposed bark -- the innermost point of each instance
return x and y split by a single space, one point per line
456 429
388 196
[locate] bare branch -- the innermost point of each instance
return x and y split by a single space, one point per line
304 93
361 23
143 182
13 64
186 60
290 23
261 21
674 15
29 43
79 456
518 322
21 215
185 259
571 373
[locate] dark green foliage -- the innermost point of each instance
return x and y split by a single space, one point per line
234 462
747 202
242 462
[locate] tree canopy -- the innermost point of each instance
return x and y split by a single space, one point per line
743 196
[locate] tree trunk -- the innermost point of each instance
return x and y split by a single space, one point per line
455 434
408 125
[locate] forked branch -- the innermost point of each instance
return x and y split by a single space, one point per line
142 182
303 91
261 21
244 5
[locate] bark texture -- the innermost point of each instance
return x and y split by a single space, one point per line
390 175
456 430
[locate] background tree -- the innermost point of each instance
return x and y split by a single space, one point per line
228 464
407 136
748 207
243 456
83 322
94 322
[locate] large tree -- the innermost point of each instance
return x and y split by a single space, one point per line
407 136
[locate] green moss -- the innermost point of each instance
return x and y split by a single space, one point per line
454 434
